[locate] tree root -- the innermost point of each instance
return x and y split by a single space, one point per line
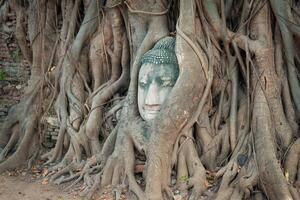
292 161
71 169
118 167
190 171
245 114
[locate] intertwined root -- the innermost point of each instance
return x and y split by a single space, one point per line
112 167
118 169
15 135
291 166
238 181
190 172
247 127
19 134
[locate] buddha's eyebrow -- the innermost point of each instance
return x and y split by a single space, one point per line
166 78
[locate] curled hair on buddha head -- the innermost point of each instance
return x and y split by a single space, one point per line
163 52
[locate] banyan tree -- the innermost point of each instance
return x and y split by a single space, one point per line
202 95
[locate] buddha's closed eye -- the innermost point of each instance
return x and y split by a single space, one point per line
143 81
166 82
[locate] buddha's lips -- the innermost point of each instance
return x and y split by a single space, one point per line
151 109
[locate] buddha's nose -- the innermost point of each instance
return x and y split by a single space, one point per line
152 98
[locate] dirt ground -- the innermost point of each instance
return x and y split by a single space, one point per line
18 187
33 185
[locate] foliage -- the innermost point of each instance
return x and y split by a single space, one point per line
2 74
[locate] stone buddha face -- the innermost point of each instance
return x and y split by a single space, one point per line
157 76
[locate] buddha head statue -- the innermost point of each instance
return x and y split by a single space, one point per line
158 73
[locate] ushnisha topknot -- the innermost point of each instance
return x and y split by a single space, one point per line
163 52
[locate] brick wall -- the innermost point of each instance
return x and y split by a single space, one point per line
14 74
51 129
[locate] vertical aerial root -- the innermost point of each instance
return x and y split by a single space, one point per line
12 141
203 131
240 147
24 149
225 190
240 175
239 179
294 193
129 168
190 171
119 78
182 174
291 162
20 31
270 171
247 178
217 150
279 7
6 129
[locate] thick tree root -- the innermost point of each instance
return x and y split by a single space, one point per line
190 171
292 163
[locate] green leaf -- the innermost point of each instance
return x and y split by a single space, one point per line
2 74
184 178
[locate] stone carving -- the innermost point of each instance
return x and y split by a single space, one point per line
158 74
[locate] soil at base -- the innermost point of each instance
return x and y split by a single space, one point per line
19 187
